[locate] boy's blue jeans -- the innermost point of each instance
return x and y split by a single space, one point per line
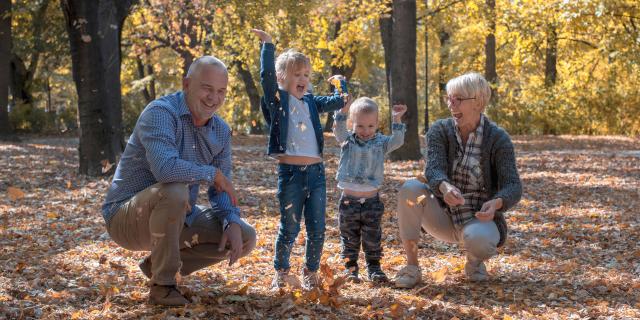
301 189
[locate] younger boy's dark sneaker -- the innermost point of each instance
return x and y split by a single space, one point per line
352 274
375 272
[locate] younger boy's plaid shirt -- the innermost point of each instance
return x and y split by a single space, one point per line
467 176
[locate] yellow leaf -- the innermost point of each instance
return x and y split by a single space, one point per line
440 275
15 193
68 184
420 198
76 315
242 291
52 215
395 310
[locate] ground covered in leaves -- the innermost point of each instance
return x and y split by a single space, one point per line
572 253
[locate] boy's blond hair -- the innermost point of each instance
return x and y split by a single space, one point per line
290 60
363 105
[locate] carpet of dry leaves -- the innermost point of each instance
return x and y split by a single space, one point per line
573 251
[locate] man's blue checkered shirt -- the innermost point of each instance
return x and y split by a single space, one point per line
164 147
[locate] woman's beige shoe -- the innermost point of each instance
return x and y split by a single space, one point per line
408 277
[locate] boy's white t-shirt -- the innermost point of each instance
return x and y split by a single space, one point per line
301 138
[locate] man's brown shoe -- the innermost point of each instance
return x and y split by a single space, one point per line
166 296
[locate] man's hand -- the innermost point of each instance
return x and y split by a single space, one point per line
222 184
233 235
452 195
264 37
488 210
398 111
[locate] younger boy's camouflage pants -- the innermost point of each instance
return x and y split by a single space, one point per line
360 222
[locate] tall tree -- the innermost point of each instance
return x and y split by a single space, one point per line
94 29
426 68
22 75
403 74
345 70
550 70
490 48
5 57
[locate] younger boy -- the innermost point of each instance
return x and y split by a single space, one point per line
360 174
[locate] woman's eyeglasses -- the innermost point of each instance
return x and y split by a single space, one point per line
454 101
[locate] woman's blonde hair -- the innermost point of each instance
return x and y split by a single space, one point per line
471 85
290 60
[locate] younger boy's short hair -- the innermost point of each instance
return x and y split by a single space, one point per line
290 60
363 105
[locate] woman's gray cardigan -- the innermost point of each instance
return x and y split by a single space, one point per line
497 160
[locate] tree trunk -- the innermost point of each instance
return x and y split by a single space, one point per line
490 49
426 69
386 26
94 29
403 75
148 91
5 65
21 74
550 71
444 37
20 81
255 116
346 71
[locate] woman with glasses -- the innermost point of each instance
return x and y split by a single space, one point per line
469 182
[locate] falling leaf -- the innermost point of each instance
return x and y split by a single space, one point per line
15 193
86 38
420 198
52 215
106 166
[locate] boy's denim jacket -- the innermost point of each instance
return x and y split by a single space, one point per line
363 161
275 105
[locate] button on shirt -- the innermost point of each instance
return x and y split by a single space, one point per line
167 147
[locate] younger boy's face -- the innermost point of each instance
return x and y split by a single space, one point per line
298 81
365 125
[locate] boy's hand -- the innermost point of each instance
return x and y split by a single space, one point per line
347 103
337 77
334 80
398 111
264 37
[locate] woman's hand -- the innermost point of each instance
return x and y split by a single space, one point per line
488 210
452 195
264 37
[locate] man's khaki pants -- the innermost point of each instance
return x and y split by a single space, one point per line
153 220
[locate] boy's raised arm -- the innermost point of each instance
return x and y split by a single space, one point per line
268 78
